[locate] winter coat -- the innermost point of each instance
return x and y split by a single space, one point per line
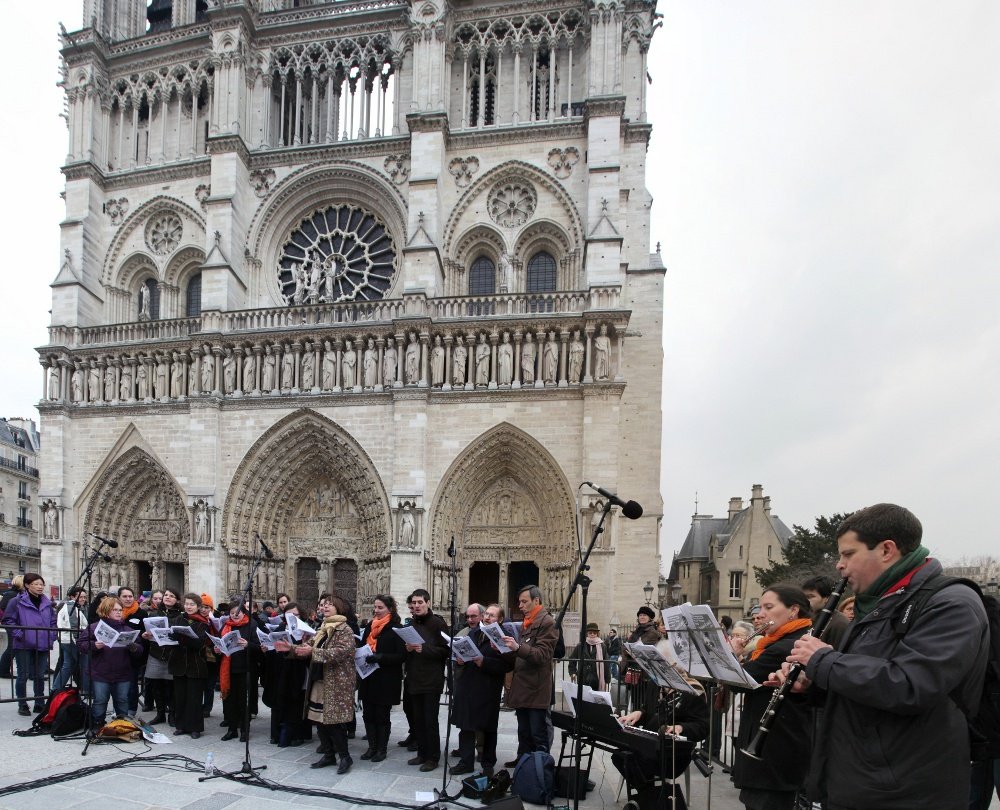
644 633
109 664
154 649
477 691
337 657
187 659
786 760
63 622
383 686
425 669
689 711
589 676
614 646
531 686
21 610
895 704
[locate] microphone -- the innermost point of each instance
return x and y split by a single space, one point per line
263 545
451 547
630 509
106 540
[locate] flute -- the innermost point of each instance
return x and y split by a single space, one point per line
756 745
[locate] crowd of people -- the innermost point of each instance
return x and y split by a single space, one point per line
876 720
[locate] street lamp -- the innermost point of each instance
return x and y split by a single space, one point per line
663 588
648 590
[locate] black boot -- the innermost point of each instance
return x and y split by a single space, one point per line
326 761
372 738
382 732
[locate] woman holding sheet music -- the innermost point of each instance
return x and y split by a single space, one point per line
188 666
381 690
158 680
772 784
110 667
236 671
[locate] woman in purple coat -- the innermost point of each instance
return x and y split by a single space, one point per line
31 609
111 667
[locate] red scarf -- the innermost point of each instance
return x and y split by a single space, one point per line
224 681
196 617
781 632
530 617
375 628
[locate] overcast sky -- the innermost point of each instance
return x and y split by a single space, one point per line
826 179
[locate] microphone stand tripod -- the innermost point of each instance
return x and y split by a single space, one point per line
248 772
443 794
582 582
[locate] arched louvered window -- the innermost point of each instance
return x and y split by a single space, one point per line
541 279
482 277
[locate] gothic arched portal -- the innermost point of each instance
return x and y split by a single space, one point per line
314 495
138 503
505 500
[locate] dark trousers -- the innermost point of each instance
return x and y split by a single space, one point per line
208 691
408 712
376 714
467 747
31 665
133 693
234 705
425 725
334 738
641 772
532 730
7 659
187 703
985 779
160 693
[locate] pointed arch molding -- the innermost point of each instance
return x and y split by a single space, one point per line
283 464
137 502
135 223
506 452
515 169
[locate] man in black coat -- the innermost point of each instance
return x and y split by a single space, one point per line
425 680
477 698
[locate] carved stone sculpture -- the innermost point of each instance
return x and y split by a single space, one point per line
207 370
413 360
460 358
94 382
371 365
329 366
350 366
249 370
505 361
576 355
161 382
437 362
270 369
550 360
482 361
201 525
142 380
143 303
389 364
54 380
407 529
125 389
76 385
287 368
229 371
308 368
51 520
602 354
109 384
528 360
176 377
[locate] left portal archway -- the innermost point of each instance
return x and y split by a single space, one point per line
138 503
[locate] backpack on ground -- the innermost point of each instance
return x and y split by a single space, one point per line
61 710
984 727
534 778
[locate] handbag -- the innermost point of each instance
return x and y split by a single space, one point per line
633 676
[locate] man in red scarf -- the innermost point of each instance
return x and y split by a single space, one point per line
894 736
134 616
530 692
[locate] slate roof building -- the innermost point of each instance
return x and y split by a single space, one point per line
19 507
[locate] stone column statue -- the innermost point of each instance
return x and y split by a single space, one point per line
528 360
329 366
308 368
125 390
458 362
437 362
575 358
389 363
550 363
176 377
142 379
51 520
249 371
413 360
228 371
269 371
207 370
602 354
505 361
287 368
482 361
54 380
407 529
371 365
350 365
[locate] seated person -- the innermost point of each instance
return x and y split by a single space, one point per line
679 713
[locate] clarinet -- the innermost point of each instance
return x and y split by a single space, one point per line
756 746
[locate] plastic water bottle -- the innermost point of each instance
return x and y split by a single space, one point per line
209 764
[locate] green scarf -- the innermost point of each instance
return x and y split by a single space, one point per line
865 602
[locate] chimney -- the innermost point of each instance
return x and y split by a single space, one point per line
758 492
767 504
735 507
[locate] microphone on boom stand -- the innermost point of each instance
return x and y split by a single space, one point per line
630 509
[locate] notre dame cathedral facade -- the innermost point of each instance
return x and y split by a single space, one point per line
362 277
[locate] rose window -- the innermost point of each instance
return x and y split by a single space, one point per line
163 234
342 253
512 203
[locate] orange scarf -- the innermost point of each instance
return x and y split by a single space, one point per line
126 612
224 680
781 632
530 617
375 628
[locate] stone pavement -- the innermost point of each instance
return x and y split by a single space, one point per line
148 787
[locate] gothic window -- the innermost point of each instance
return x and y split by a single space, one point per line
482 277
489 97
540 96
192 307
541 279
342 253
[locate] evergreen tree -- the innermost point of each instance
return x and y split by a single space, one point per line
809 553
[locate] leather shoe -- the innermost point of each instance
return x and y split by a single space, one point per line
195 735
368 754
460 769
24 711
345 765
417 760
511 764
243 736
325 762
179 731
455 752
229 735
406 740
157 720
413 746
429 765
